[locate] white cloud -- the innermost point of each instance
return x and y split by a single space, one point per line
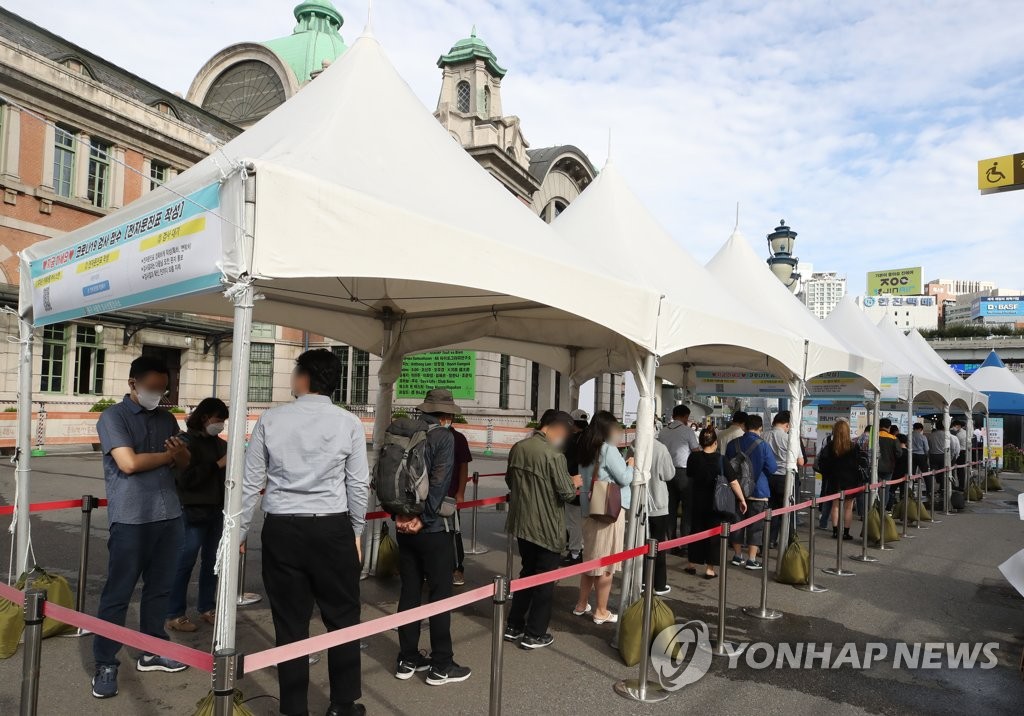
859 123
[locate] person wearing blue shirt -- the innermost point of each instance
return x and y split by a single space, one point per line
763 465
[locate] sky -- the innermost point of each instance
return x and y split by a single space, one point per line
859 122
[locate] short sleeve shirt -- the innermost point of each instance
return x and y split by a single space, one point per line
462 457
143 497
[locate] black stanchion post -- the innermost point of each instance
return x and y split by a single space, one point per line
224 662
838 570
811 520
244 598
722 647
89 503
640 689
762 611
864 556
906 509
33 615
474 548
501 586
919 492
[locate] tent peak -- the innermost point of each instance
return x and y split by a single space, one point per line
993 360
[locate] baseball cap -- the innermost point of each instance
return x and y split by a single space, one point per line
579 416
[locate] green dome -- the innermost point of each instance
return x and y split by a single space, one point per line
470 48
316 38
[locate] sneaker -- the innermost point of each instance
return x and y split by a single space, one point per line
153 662
458 578
104 683
407 667
536 642
513 634
754 564
662 591
209 617
182 623
737 561
452 674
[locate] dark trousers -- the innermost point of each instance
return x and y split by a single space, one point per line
920 462
531 608
961 473
150 552
307 560
660 526
458 548
777 487
201 540
425 556
679 494
936 462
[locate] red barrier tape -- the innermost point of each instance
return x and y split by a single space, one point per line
49 506
536 580
299 649
11 594
791 508
855 490
483 502
747 522
689 539
150 644
828 498
492 474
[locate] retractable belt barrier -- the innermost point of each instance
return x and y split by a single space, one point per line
204 661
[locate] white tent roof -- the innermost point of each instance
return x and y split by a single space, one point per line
994 377
895 342
700 322
766 300
853 327
968 396
364 203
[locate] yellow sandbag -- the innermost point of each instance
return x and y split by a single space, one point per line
12 624
204 707
873 524
387 554
795 567
58 591
910 507
923 515
993 483
975 493
631 646
891 533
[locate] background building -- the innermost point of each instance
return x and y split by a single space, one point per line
80 136
919 312
997 306
946 290
822 290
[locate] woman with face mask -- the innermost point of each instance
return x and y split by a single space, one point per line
600 460
201 489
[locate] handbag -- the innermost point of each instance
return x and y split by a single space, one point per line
605 498
725 498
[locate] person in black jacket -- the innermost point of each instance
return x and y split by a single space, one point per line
840 468
201 490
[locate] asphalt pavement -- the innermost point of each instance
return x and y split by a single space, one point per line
941 586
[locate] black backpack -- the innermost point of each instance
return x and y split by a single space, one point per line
401 478
743 467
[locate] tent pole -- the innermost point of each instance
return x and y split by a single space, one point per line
642 453
910 444
796 395
969 469
947 475
875 447
381 421
23 471
242 294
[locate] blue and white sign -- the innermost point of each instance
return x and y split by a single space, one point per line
1007 308
168 252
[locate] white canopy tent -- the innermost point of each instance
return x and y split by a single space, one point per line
766 300
371 227
963 392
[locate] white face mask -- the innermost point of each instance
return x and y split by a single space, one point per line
215 429
445 422
148 400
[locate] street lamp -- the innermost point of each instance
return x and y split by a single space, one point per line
782 261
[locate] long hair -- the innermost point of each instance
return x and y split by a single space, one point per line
596 435
207 408
841 443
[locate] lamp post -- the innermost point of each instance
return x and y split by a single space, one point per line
782 261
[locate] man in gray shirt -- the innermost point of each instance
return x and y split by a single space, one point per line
139 448
778 441
310 457
680 440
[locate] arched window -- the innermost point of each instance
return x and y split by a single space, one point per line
462 96
245 93
487 102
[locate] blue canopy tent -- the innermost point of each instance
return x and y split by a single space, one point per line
1005 391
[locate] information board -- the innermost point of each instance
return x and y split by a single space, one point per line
168 252
422 372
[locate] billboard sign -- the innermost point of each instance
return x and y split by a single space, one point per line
1001 173
903 282
1002 308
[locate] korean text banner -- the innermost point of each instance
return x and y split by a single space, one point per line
754 384
168 252
454 370
904 282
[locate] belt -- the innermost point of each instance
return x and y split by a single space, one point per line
306 515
